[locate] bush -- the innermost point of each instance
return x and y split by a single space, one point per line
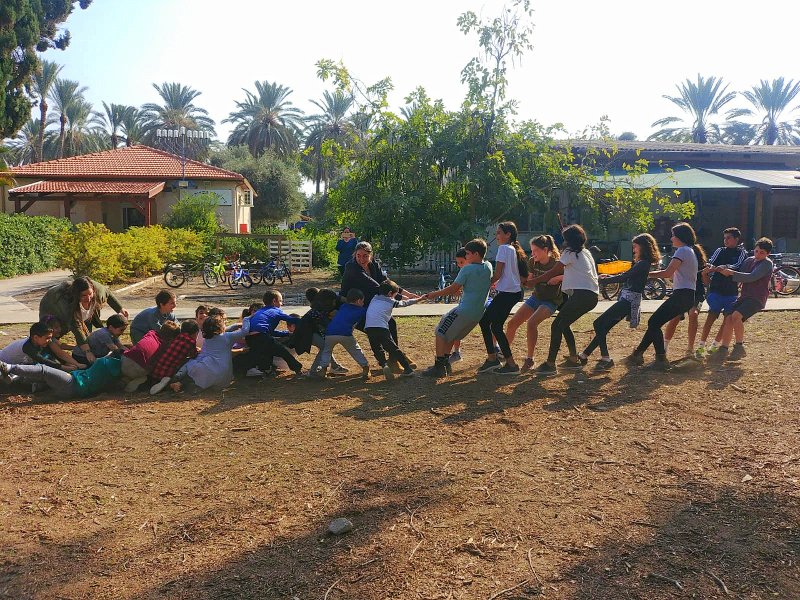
197 212
29 244
109 257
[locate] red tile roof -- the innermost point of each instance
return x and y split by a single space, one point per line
133 162
140 188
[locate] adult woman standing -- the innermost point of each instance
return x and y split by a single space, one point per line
510 256
683 271
77 304
581 286
364 272
345 246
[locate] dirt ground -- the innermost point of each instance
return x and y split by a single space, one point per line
630 484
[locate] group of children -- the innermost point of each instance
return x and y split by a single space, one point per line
204 353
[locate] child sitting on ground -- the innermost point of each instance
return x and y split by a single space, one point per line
80 383
278 364
104 340
138 361
200 315
340 331
263 345
376 327
151 319
37 347
55 347
181 349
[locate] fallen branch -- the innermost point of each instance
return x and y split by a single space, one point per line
674 582
511 589
414 551
719 582
333 585
530 565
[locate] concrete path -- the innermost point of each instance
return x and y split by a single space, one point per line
12 311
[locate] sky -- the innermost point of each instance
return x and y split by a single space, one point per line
589 58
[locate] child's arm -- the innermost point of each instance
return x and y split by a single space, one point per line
408 302
451 290
64 357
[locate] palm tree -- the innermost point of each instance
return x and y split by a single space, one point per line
65 94
43 81
85 132
24 147
737 133
134 126
333 124
771 99
266 119
700 100
178 110
113 119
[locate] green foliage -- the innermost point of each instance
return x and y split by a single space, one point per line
93 250
276 182
29 244
197 213
26 27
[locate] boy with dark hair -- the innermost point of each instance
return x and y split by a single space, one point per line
722 290
376 327
473 282
181 349
151 319
340 331
36 347
104 340
754 276
263 330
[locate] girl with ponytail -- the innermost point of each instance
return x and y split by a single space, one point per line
682 269
509 264
694 312
544 300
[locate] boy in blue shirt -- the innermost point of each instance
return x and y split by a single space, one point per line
263 331
340 331
473 282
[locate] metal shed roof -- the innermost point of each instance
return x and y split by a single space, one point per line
764 178
679 179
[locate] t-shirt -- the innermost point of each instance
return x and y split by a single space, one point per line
345 318
103 372
98 341
148 320
580 272
732 257
13 354
544 291
475 278
685 277
144 352
509 278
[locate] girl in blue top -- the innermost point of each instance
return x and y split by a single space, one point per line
345 246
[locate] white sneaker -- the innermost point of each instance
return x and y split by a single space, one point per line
455 357
160 385
254 372
134 384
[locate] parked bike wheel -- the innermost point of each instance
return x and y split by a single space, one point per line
175 277
210 278
654 289
789 281
246 281
256 275
234 281
268 278
609 290
288 274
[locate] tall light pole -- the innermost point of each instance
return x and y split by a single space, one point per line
182 133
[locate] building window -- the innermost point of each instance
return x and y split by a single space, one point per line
131 217
784 222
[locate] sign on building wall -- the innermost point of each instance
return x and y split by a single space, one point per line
224 197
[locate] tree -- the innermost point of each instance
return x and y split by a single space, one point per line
275 180
113 120
737 132
43 81
26 27
332 126
266 120
134 126
23 148
66 96
178 110
771 99
85 132
700 100
626 136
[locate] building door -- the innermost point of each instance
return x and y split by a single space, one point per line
131 217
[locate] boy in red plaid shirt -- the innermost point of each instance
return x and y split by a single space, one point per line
181 349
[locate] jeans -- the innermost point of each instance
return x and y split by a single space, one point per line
319 342
350 344
57 380
605 323
679 303
577 305
381 343
263 348
493 319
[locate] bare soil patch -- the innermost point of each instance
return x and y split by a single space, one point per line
629 484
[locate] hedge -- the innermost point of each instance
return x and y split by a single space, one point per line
29 244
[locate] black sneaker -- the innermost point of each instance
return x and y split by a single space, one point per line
507 370
737 353
489 365
636 359
662 363
719 357
546 370
571 364
437 370
448 368
407 373
604 364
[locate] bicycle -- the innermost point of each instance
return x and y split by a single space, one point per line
445 280
176 274
214 274
275 268
785 280
239 276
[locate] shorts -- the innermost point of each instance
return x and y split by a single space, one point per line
746 307
533 303
454 326
718 303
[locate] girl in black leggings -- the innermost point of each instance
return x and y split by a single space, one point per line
645 255
581 287
683 271
507 279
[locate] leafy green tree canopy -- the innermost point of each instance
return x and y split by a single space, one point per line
27 26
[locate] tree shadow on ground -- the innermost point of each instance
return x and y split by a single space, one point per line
709 541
